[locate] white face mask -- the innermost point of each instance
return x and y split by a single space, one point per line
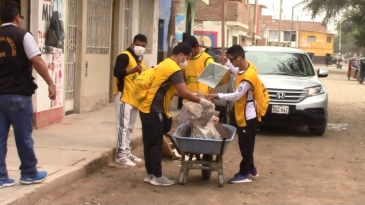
138 50
183 65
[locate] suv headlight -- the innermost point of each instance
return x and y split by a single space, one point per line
315 90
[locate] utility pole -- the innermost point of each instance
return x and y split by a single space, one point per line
281 8
291 22
177 7
254 23
223 17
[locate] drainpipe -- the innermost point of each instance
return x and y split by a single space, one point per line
281 7
254 23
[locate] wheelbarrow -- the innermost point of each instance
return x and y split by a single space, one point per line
188 146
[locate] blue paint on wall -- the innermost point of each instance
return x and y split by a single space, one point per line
164 13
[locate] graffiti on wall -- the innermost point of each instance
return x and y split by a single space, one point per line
207 38
303 43
52 55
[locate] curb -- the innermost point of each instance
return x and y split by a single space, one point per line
63 178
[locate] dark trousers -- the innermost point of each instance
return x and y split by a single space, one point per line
152 133
17 110
246 141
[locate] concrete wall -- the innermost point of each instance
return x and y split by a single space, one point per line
150 59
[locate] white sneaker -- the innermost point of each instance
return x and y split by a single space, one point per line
161 181
134 158
124 161
148 178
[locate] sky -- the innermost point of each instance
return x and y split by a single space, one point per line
273 7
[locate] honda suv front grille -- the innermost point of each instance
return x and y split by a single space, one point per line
286 96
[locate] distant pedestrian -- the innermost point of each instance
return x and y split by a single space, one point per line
127 67
18 52
327 60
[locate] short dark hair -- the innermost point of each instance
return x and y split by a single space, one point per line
236 50
182 48
9 10
192 41
140 37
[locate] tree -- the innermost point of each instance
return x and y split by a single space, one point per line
350 11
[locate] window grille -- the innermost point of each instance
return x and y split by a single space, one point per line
127 23
286 35
98 26
329 40
273 35
311 39
146 17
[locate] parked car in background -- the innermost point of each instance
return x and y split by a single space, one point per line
297 96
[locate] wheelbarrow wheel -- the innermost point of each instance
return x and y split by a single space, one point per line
206 174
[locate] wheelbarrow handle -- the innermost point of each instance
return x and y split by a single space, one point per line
173 142
222 146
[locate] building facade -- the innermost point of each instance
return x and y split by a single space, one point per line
94 33
309 36
208 23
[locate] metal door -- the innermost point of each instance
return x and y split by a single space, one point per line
70 55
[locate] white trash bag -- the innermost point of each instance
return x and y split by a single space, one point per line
202 121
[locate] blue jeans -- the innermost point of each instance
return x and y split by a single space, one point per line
17 110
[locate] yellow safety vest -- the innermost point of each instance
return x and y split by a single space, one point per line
250 75
193 69
162 74
128 95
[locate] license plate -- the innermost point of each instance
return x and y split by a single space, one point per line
280 109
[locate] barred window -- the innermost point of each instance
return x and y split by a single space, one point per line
273 35
146 18
329 40
311 39
127 23
98 26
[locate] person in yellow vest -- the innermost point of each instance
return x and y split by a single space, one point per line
154 110
196 65
245 113
128 65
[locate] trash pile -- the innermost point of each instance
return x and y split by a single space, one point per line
202 121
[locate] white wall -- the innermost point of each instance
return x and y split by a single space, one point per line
53 57
150 59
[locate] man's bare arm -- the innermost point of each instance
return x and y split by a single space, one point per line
42 69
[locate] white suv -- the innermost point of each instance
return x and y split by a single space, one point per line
297 96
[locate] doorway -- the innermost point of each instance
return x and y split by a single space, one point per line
70 55
161 40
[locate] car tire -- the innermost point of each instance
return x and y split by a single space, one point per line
319 131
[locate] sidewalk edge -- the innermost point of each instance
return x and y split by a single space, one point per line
64 178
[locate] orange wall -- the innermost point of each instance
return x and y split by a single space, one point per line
320 47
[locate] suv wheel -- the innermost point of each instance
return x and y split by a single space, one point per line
319 131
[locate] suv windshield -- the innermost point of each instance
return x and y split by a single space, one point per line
281 63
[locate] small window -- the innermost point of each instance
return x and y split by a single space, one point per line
329 39
311 39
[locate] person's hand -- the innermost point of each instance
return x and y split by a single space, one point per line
52 92
205 103
212 97
224 60
215 120
138 68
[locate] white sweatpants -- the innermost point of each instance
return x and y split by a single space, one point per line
126 116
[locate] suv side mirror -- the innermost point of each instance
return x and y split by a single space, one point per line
322 72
